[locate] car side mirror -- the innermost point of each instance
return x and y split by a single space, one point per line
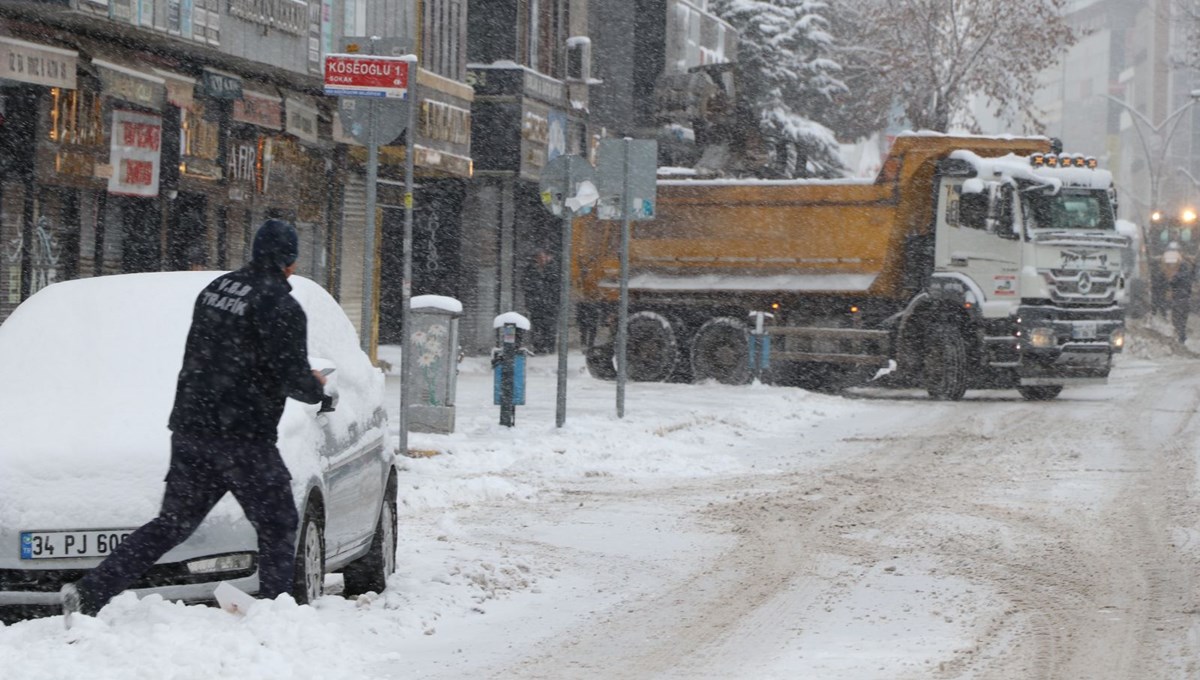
329 371
330 400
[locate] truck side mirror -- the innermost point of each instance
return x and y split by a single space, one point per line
1001 222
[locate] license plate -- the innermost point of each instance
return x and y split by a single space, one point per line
1084 331
49 545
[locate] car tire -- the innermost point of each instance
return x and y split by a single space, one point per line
1040 392
308 582
370 572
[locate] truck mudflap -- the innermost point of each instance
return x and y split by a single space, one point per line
1069 364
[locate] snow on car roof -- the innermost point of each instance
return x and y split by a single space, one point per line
90 367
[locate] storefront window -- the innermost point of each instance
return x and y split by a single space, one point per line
199 138
76 117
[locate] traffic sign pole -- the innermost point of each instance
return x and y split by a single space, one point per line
368 295
564 302
372 87
406 286
623 304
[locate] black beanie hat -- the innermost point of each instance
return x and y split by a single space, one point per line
276 243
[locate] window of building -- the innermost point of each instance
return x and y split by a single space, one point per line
76 117
443 32
545 34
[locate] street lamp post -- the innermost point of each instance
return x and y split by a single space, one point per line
1155 160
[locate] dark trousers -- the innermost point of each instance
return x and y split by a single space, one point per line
202 470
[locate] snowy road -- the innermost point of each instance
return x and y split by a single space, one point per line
744 532
992 538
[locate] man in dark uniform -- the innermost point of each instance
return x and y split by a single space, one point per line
246 353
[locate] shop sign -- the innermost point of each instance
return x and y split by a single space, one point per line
217 85
74 164
302 120
535 136
28 62
259 109
450 163
242 162
136 153
132 86
545 88
181 90
445 122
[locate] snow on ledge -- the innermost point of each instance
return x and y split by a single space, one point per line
448 304
513 318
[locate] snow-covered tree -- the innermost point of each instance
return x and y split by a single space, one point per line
931 56
785 72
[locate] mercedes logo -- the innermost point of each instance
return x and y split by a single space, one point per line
1085 283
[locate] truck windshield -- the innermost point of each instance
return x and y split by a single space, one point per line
1075 209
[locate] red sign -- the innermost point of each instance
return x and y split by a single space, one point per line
364 75
135 154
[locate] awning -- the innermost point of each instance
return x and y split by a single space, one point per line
132 85
181 90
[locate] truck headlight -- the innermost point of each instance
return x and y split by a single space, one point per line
1043 338
212 565
1117 339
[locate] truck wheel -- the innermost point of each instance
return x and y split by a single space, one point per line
652 349
945 362
721 351
600 362
1040 392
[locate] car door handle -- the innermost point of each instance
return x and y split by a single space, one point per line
958 260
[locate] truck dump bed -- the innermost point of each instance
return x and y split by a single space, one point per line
781 237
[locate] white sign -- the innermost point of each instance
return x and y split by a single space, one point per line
135 154
28 62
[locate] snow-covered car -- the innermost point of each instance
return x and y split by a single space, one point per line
89 369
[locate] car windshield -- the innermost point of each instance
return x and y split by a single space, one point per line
1069 209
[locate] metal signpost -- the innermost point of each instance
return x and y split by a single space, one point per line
626 176
378 103
564 185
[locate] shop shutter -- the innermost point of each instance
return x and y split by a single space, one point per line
350 260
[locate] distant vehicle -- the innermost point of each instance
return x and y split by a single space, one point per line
89 370
969 262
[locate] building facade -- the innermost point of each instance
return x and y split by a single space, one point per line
1123 94
147 135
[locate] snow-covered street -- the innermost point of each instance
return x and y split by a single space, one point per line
742 532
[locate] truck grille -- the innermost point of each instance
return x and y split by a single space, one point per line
1071 286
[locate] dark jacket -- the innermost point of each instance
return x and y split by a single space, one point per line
247 351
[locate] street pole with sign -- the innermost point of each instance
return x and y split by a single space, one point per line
626 176
566 188
378 101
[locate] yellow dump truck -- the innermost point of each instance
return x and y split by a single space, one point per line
969 262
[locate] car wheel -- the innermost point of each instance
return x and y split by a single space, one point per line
369 572
309 579
1040 392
